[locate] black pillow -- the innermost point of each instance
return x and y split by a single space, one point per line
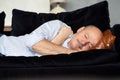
24 22
96 14
2 20
116 30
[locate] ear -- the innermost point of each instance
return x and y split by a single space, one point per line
80 29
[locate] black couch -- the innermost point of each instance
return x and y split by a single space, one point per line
94 62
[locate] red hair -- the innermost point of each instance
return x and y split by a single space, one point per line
106 42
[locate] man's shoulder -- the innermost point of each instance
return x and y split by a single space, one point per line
56 20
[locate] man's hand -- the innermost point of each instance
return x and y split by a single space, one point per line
65 31
62 35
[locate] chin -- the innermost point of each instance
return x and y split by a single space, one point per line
84 49
73 47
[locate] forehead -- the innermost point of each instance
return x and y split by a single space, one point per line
93 35
93 39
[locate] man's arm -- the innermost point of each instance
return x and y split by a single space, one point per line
44 47
62 35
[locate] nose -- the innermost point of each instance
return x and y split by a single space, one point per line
82 44
85 42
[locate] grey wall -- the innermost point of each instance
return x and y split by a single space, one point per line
114 8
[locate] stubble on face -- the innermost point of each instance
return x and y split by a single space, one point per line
93 36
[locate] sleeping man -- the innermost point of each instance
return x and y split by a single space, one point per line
52 38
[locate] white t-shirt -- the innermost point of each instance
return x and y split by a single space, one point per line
22 45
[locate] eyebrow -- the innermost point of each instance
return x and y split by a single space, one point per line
86 35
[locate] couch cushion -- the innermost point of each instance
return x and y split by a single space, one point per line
24 22
2 20
116 31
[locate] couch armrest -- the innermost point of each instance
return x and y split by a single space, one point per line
116 30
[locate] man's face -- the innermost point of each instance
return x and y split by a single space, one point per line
85 38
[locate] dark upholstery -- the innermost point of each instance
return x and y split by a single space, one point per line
116 31
24 22
2 20
94 62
